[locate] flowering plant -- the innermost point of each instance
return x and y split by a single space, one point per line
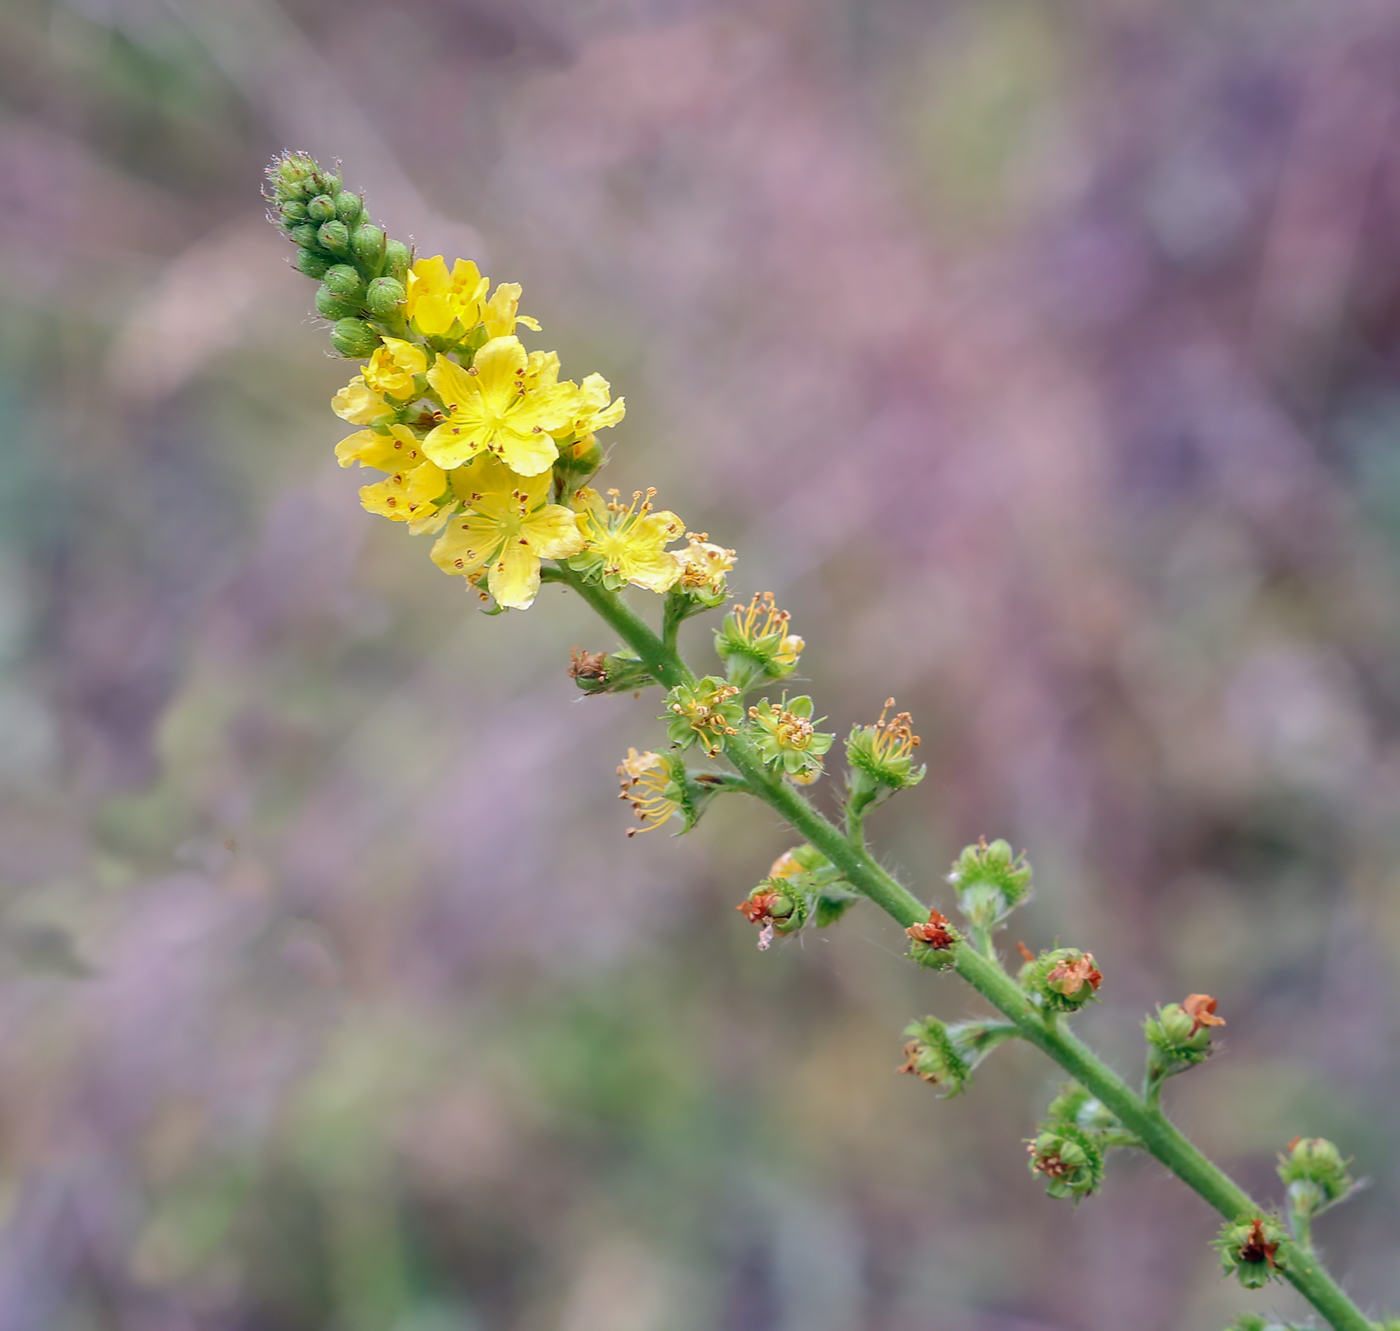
487 449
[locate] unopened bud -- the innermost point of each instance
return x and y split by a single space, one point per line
321 209
293 211
397 257
349 208
385 297
312 263
335 236
354 339
344 281
369 242
331 306
306 234
326 182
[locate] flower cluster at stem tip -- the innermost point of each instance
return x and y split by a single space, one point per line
482 443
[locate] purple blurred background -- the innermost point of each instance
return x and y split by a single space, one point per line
1042 359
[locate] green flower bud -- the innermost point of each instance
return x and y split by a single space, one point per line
293 211
1315 1173
397 257
344 280
321 209
335 237
1249 1246
290 174
991 881
385 297
369 243
354 339
1062 980
349 208
1068 1158
333 307
307 235
312 263
1253 1322
1075 1105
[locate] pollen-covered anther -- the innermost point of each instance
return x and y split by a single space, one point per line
645 781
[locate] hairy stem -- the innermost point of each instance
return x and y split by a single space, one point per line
1141 1116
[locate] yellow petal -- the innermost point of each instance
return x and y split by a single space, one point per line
368 449
527 454
552 532
405 355
500 366
466 544
514 578
357 404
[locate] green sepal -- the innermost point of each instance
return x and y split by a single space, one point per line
810 872
1172 1047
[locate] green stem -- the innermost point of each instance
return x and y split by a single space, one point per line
1143 1117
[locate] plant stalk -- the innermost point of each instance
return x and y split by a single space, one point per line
1143 1117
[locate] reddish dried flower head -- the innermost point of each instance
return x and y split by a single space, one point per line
587 665
935 933
1072 974
1257 1248
1201 1009
756 909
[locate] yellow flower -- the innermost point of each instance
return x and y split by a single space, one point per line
597 412
626 544
648 788
436 299
704 566
359 404
492 407
507 529
391 369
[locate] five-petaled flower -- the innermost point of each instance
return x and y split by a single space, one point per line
491 408
508 527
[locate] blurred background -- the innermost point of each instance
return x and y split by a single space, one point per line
1041 358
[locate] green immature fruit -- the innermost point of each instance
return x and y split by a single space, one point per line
1315 1173
1062 980
335 236
1068 1158
991 881
354 339
344 281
